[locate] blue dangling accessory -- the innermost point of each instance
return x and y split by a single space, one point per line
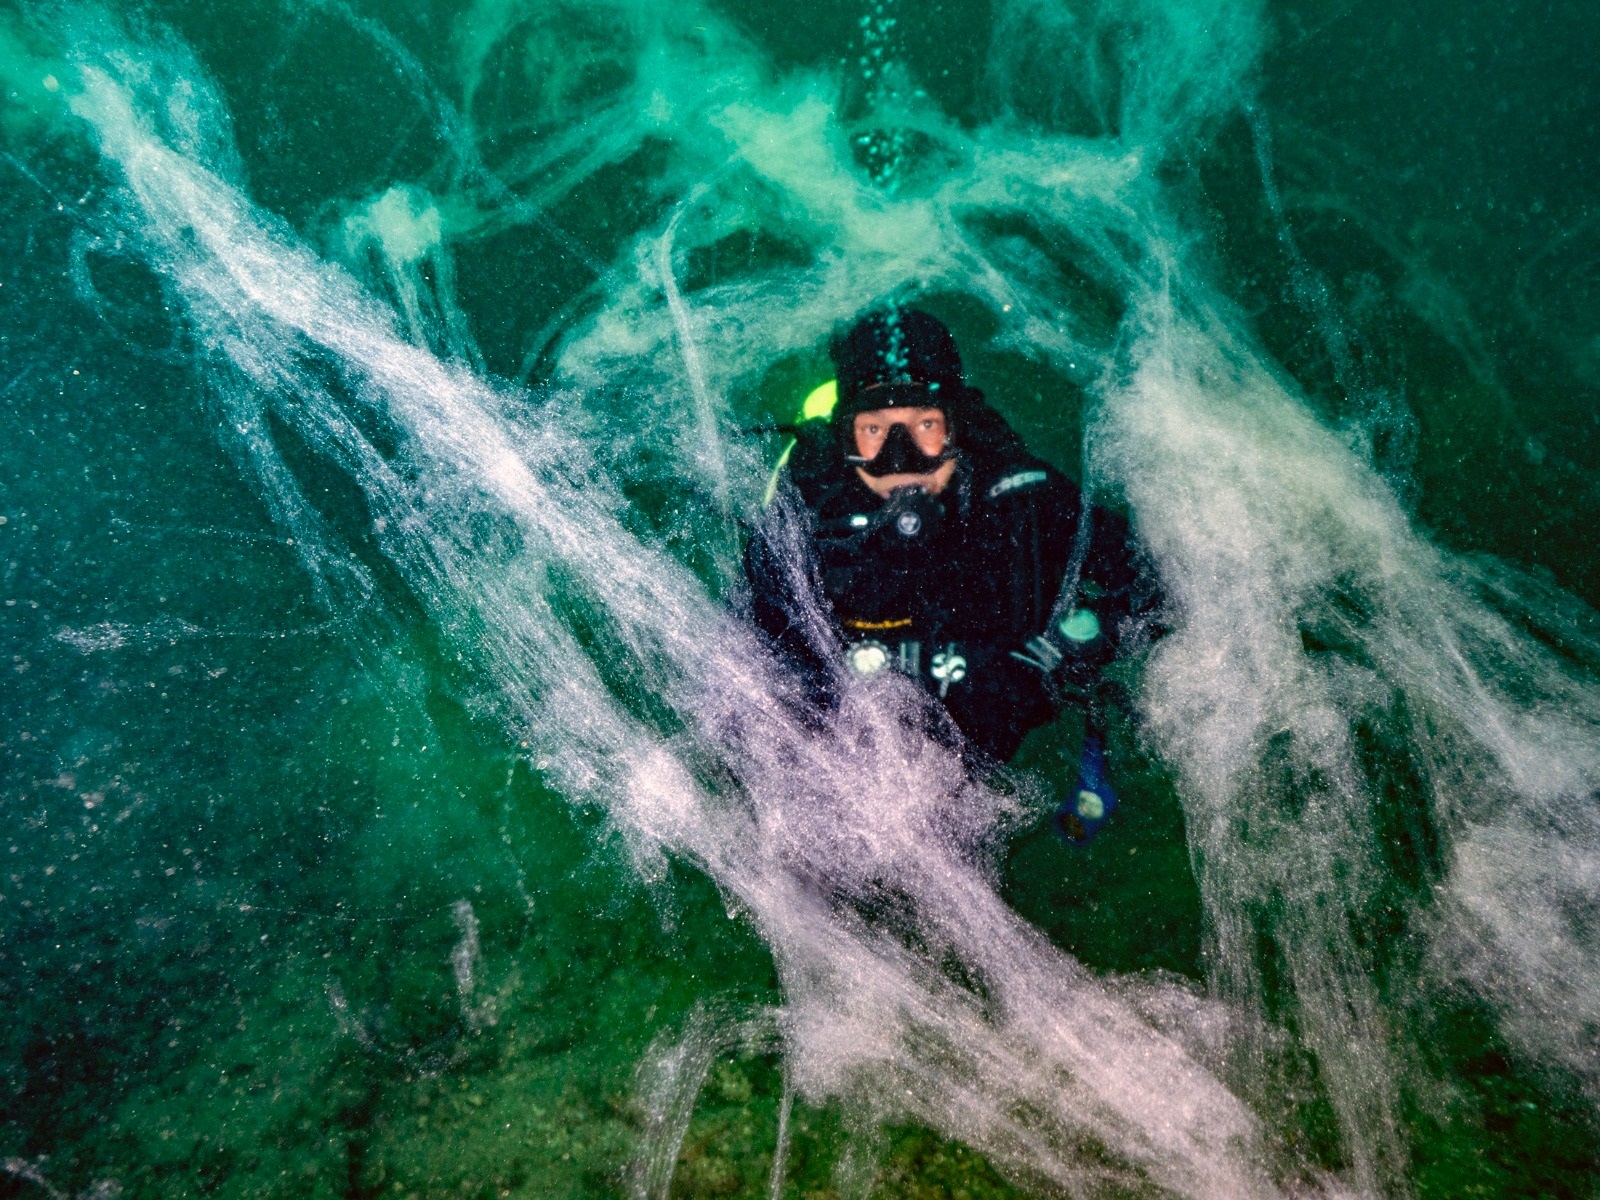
1091 802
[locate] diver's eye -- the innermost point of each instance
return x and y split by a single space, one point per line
927 424
873 429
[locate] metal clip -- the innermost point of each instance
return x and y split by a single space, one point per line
1043 655
948 667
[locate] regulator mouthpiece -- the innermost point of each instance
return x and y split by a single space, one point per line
911 515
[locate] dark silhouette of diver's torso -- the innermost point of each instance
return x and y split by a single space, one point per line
982 579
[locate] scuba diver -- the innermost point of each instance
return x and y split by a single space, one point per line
942 549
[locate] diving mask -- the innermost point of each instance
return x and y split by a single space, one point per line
900 455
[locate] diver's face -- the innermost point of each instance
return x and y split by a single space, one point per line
928 429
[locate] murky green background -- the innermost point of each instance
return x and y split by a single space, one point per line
242 826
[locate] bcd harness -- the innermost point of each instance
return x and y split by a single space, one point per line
952 661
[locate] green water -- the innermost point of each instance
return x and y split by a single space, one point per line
317 880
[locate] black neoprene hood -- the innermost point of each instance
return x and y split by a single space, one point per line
898 356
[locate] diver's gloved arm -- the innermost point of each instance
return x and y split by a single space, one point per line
1120 582
1113 605
1070 653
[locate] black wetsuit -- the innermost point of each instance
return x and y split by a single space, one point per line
960 610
